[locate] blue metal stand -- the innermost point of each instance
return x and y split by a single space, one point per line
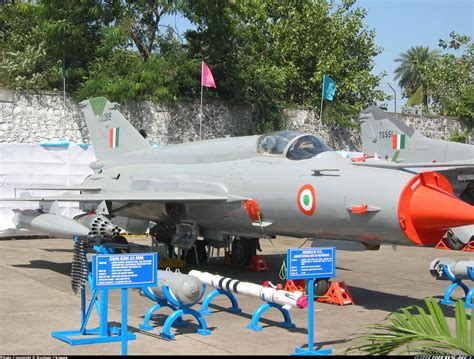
205 304
287 323
160 303
104 333
124 328
456 282
470 294
262 309
179 310
310 350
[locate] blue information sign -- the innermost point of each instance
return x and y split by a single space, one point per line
133 270
309 263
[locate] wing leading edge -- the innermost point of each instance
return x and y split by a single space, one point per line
128 196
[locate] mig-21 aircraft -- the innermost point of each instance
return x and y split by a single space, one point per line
388 137
245 188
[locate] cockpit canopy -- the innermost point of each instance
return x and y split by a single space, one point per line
293 145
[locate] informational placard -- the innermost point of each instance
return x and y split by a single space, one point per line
135 270
311 263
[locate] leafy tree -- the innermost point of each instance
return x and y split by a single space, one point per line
294 43
24 59
450 79
139 22
410 74
38 34
160 70
267 54
123 76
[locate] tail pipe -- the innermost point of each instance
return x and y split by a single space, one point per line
428 207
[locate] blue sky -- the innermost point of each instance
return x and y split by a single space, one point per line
401 24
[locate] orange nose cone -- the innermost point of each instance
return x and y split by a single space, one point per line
427 208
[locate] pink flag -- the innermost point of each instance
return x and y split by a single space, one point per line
206 76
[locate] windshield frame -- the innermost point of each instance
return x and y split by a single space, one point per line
260 151
287 148
296 136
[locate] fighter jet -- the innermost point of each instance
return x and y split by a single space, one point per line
245 188
388 137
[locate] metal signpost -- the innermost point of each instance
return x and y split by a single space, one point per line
311 264
112 271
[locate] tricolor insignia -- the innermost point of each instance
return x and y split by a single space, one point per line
398 142
306 199
114 137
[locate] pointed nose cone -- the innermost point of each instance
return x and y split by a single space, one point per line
427 208
432 209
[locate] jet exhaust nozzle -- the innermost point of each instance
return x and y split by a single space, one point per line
428 207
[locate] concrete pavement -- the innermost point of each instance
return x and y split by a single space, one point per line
36 298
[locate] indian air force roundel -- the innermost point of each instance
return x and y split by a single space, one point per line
306 199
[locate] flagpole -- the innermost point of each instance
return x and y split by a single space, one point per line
63 73
322 100
200 115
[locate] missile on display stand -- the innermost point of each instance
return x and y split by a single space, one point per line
267 294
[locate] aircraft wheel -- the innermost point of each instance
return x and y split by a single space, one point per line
121 240
243 249
321 287
453 242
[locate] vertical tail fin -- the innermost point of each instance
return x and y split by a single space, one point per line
382 133
111 134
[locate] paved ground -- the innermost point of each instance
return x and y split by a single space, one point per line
36 299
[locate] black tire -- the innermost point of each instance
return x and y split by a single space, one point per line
453 242
243 249
321 287
121 240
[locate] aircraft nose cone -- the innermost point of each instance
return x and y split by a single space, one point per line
428 207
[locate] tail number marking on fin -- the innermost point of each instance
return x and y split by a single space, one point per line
106 117
385 134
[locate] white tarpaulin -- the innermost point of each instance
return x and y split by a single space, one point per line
32 165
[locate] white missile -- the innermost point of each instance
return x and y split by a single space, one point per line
184 288
54 225
267 294
457 269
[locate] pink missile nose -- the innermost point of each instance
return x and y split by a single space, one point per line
302 302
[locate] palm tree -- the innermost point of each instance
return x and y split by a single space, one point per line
410 71
418 333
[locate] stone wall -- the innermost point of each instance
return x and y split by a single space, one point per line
35 117
440 127
29 118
